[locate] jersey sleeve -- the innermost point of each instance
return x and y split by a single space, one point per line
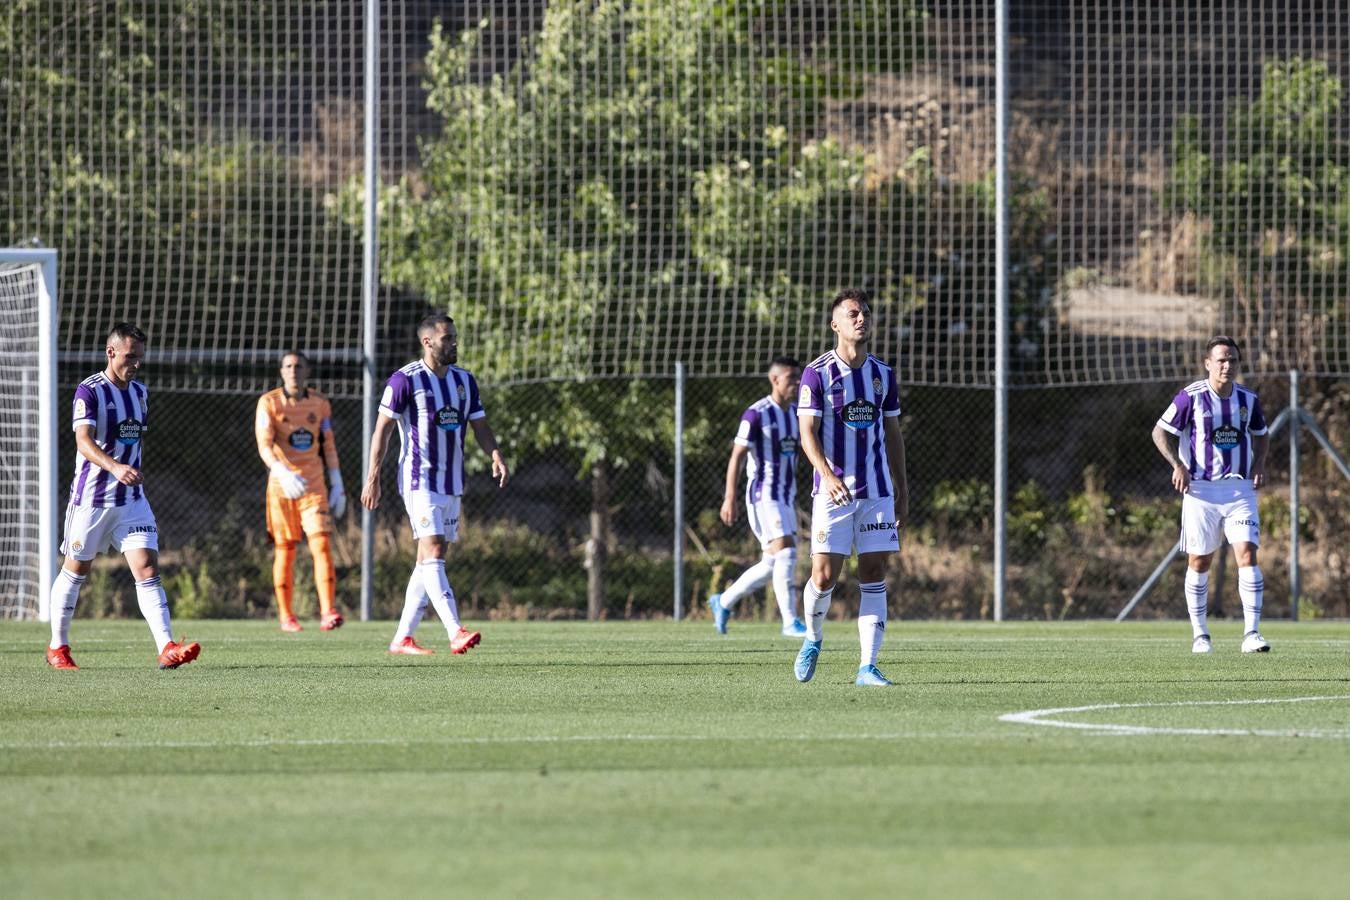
1177 416
891 405
144 393
84 410
476 410
810 397
1256 425
747 432
397 393
330 454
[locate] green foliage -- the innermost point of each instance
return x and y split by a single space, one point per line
1276 192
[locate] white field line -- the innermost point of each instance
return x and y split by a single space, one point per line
1043 717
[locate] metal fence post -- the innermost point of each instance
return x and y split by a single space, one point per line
679 491
1294 427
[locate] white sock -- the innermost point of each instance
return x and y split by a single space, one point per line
1197 601
155 607
414 604
815 603
784 568
871 620
65 594
1252 589
437 587
752 579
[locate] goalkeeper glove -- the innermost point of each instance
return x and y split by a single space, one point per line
337 497
292 485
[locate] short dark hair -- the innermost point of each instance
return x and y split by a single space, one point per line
786 361
299 353
1223 340
432 322
125 331
850 294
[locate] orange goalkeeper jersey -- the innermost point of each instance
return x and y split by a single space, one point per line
296 428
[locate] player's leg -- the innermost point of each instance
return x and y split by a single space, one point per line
325 580
317 523
431 551
784 553
752 579
816 597
84 537
283 583
136 536
283 524
1201 535
1251 588
877 538
414 605
1242 527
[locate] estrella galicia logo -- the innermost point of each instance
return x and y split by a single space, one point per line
301 439
1224 437
447 418
859 414
128 431
788 446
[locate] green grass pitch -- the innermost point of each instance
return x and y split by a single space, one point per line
661 760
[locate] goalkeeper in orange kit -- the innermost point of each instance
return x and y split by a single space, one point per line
294 425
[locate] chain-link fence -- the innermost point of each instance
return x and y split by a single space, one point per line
1091 509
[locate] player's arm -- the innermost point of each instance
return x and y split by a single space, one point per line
831 485
734 464
895 455
292 485
337 495
90 450
488 441
1169 445
1260 444
379 442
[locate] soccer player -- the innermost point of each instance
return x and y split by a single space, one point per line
1215 438
294 426
107 506
433 402
767 437
850 428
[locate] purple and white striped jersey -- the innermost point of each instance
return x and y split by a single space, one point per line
119 419
1216 432
770 434
433 416
852 404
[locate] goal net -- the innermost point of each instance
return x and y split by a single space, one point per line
27 439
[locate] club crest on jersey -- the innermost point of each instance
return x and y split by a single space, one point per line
1224 437
301 439
128 431
787 446
462 393
447 418
1244 413
876 385
313 418
859 414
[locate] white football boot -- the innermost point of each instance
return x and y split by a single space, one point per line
1252 642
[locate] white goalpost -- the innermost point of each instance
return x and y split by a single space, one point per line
28 436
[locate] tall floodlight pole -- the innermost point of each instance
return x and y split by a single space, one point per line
370 275
1000 305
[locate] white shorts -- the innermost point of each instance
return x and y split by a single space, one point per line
90 529
868 525
432 514
771 520
1213 510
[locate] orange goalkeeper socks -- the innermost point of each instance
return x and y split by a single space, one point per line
282 583
325 576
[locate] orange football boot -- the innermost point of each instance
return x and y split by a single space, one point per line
409 647
291 624
59 657
331 620
175 654
463 640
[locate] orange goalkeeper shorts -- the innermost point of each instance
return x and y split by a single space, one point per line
288 521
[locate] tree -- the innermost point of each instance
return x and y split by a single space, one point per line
639 167
1275 196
